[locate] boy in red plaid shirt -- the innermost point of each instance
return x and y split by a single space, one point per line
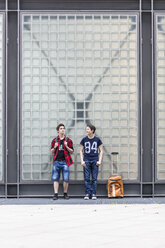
61 147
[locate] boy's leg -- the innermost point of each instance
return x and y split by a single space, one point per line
55 178
94 177
65 175
56 187
65 186
87 178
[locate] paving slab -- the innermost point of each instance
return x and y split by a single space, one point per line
29 225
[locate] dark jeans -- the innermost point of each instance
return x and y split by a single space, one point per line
90 171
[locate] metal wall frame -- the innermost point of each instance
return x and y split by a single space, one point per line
159 183
147 186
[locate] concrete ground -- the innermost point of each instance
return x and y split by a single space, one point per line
43 223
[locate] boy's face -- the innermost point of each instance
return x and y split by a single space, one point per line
89 131
61 130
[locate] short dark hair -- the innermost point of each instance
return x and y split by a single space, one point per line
60 125
92 127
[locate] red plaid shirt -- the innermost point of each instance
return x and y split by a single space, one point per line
67 155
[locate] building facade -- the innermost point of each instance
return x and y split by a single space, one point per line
80 62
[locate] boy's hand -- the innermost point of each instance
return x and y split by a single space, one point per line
83 164
98 163
56 144
65 143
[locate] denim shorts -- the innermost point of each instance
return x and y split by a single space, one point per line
59 166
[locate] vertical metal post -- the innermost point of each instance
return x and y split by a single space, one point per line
6 84
153 109
140 67
18 92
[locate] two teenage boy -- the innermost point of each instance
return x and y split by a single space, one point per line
91 153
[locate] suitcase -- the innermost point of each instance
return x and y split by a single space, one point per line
115 184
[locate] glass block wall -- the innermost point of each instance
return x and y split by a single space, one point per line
1 88
79 69
160 98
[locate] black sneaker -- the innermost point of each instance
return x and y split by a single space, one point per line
66 197
55 197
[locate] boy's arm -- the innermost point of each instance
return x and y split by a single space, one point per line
100 155
69 146
81 156
53 146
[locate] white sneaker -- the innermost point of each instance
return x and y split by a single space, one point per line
86 197
94 197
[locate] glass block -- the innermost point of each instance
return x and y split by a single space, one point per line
27 27
26 54
44 123
35 88
26 124
35 18
35 149
36 167
36 159
27 62
44 141
45 176
27 97
27 18
36 106
35 131
27 45
44 36
35 140
26 168
35 97
27 80
36 71
44 115
26 176
44 80
26 149
35 114
26 36
27 132
44 158
35 176
45 150
35 54
44 132
37 37
27 114
44 89
35 123
26 88
36 62
45 167
27 159
35 27
44 106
